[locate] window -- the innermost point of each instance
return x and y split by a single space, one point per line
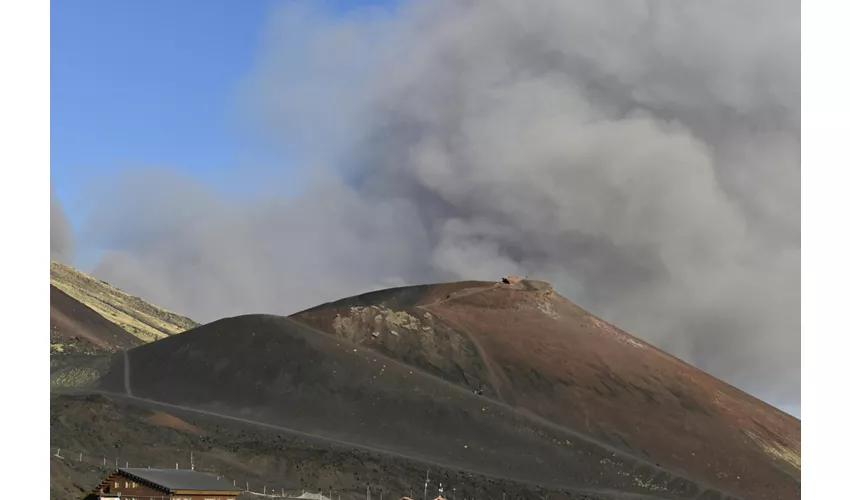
116 484
126 484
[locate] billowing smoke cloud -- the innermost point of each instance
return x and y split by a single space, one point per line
644 156
61 234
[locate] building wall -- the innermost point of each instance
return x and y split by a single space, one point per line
203 497
129 489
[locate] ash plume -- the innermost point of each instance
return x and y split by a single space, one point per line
61 233
643 156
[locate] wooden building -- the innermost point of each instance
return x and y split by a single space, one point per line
148 484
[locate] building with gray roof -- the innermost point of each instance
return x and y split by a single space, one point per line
147 484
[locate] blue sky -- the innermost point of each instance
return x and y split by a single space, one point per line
154 83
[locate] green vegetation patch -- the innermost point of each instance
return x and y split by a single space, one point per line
143 320
777 450
76 377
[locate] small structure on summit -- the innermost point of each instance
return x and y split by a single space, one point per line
527 284
163 483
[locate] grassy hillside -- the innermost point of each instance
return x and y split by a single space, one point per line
145 321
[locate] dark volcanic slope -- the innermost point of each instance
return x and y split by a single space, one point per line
88 428
532 349
76 328
277 371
